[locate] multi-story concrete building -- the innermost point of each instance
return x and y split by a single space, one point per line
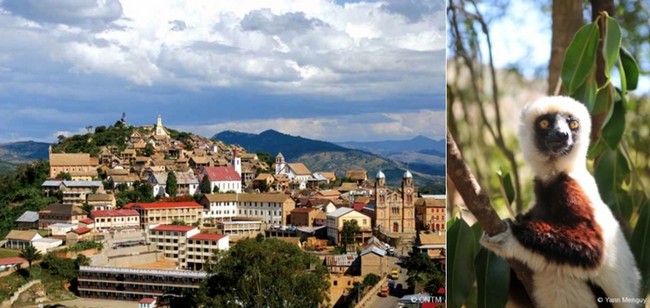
74 192
165 212
80 166
120 283
430 213
201 247
336 220
115 219
271 208
185 244
172 240
219 207
59 213
101 202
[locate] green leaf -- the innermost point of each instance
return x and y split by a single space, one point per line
631 69
579 58
460 276
586 92
625 203
478 232
610 171
640 243
611 44
615 126
492 278
604 100
596 148
506 183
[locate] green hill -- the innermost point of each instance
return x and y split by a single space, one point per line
272 142
325 156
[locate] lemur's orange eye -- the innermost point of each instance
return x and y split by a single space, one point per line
573 124
544 124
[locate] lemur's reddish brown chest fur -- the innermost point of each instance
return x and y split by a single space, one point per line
561 225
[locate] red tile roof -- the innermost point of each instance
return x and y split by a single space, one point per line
81 230
208 237
163 205
358 206
86 221
147 300
10 261
303 210
221 174
113 213
173 228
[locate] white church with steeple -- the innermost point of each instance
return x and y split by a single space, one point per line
160 130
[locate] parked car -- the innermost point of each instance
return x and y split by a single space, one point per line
383 292
394 274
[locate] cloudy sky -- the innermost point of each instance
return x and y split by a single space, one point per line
324 69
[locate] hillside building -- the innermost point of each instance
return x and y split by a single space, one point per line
80 166
185 244
225 179
297 173
165 212
118 283
59 213
395 210
269 208
336 220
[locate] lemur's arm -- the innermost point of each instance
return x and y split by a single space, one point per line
544 247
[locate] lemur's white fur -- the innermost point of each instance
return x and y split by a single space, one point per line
562 285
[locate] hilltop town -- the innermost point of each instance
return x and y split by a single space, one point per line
153 206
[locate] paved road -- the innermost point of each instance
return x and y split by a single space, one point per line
398 290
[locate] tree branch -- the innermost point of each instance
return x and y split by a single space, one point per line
479 204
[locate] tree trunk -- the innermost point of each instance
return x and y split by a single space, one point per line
567 19
479 204
598 6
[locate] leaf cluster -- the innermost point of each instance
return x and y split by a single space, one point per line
265 273
116 135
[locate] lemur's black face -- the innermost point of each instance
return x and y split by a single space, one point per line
556 133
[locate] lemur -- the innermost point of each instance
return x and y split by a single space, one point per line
569 238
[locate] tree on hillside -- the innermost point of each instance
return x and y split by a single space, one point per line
171 187
349 233
30 253
149 150
87 208
178 222
423 273
264 273
266 157
206 185
64 176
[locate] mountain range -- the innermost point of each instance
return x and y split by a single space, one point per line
16 153
326 156
419 144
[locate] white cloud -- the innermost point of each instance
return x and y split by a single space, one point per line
285 46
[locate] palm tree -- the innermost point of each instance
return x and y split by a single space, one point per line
30 253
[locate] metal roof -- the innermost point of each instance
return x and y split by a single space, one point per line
28 216
340 212
373 249
122 270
